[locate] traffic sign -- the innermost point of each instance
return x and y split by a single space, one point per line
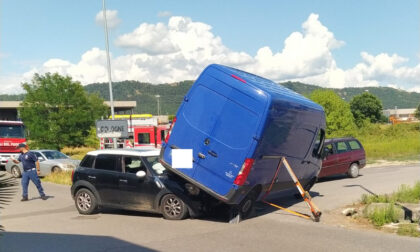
112 128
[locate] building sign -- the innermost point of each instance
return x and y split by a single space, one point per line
112 128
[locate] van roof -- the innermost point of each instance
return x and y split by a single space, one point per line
146 152
276 90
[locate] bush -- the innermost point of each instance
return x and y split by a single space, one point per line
382 216
77 152
391 142
404 194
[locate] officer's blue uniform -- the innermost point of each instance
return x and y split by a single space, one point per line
29 160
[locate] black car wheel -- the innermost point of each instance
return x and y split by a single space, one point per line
173 208
86 202
16 172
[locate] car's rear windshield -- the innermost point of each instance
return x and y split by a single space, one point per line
154 163
54 155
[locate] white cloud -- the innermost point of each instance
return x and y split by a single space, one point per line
111 16
164 14
10 84
181 48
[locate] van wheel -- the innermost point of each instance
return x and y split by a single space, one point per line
16 171
353 171
173 208
310 184
247 206
86 202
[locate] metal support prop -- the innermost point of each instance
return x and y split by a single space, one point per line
316 213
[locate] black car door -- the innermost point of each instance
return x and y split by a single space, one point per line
105 176
136 192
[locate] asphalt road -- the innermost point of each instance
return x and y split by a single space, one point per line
55 225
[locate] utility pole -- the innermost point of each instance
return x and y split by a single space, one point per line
108 61
158 105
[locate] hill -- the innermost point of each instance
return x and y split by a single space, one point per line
171 95
390 97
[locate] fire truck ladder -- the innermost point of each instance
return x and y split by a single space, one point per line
305 195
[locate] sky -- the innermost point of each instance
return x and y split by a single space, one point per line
327 43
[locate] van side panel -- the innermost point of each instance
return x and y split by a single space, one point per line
290 132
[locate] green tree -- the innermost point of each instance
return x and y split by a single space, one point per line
366 106
58 112
340 121
417 113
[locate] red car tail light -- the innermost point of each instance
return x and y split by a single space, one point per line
244 172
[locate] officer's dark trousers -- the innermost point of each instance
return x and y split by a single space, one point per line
31 175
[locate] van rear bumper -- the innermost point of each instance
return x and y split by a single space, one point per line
233 197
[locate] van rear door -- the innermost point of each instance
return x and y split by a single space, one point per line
195 121
233 135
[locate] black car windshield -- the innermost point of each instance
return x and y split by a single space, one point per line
155 164
54 155
11 131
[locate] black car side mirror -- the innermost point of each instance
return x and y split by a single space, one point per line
141 174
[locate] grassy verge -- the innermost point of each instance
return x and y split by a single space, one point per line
63 178
390 213
408 230
391 142
404 194
77 152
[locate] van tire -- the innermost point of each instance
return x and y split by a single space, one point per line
246 207
310 184
86 202
173 208
353 171
16 171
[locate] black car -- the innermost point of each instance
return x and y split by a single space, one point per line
132 180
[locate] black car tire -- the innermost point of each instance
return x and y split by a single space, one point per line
56 169
16 171
173 208
86 202
353 171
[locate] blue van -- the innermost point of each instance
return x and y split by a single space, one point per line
234 122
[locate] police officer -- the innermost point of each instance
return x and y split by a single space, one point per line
31 171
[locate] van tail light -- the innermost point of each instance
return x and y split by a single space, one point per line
72 175
170 130
244 172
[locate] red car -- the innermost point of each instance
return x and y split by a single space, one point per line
346 155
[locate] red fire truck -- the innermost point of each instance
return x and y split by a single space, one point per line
144 131
12 133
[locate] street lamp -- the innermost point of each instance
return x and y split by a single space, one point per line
108 61
158 105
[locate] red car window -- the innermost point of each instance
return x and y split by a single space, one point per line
341 147
354 145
